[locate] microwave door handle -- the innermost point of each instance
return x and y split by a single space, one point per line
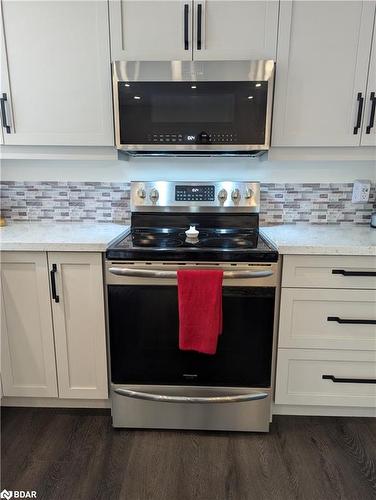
146 273
162 398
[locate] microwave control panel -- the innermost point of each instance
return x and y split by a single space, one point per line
201 138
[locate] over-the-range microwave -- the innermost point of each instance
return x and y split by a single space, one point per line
193 108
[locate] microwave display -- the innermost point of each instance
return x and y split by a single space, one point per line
205 112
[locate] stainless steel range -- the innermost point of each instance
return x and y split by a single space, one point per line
195 225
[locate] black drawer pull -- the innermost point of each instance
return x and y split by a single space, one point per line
199 26
350 380
4 98
372 98
53 283
352 321
186 26
360 100
353 273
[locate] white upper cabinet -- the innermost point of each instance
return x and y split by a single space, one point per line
369 124
57 77
79 324
166 30
154 30
27 344
237 29
322 66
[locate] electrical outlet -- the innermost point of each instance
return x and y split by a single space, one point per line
361 191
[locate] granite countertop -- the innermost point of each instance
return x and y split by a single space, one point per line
325 239
59 236
295 239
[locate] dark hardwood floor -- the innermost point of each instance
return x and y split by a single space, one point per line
75 454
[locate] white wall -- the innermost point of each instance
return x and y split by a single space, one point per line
188 169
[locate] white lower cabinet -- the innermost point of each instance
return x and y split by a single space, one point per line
330 319
325 377
53 347
327 332
79 325
27 342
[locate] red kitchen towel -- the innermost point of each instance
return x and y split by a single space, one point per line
200 309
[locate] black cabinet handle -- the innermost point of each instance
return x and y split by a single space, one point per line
53 283
352 321
199 26
4 98
186 26
350 380
353 273
372 98
360 100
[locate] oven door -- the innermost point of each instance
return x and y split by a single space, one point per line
193 110
144 335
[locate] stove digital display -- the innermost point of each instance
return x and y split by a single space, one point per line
194 193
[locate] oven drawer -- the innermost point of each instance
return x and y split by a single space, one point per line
329 378
308 271
328 319
243 416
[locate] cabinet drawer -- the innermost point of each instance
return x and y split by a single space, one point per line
328 319
309 271
300 378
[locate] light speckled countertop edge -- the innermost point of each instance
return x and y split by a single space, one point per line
105 234
348 240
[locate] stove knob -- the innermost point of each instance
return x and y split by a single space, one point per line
141 193
235 195
154 195
222 195
248 193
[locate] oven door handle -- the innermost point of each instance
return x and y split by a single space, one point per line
146 273
161 398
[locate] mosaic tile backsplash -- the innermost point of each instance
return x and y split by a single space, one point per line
109 202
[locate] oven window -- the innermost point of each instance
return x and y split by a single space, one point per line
144 329
178 112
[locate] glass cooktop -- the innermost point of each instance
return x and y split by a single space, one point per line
211 244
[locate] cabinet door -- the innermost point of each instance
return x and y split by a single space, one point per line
59 73
369 124
235 29
79 325
151 30
322 64
27 344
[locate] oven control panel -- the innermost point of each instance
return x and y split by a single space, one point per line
166 196
194 193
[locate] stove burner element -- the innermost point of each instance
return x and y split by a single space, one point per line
235 242
156 242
